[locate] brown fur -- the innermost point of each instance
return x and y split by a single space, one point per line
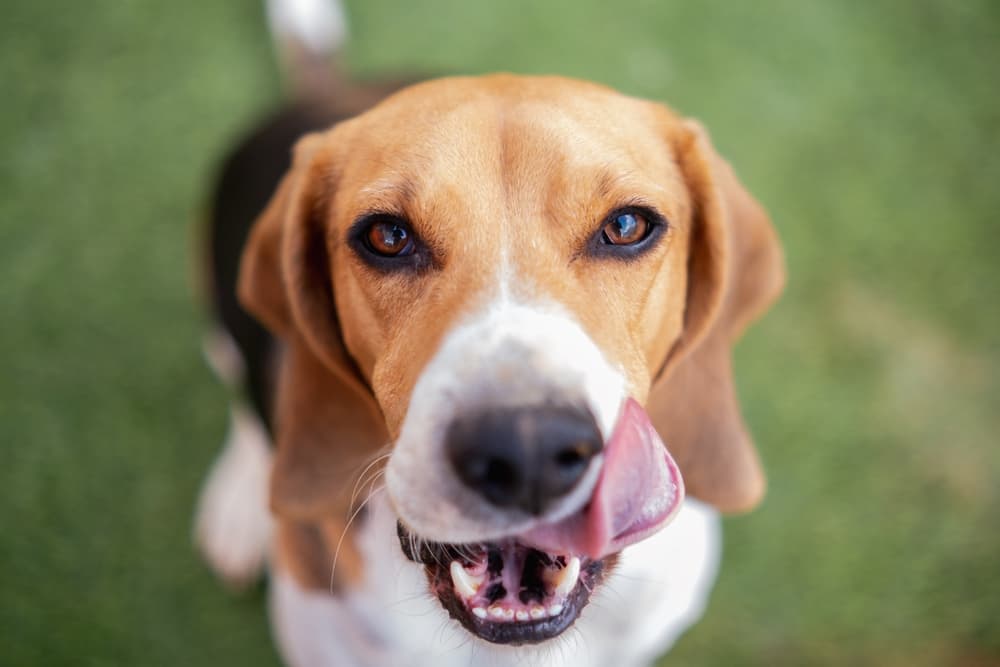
694 404
533 164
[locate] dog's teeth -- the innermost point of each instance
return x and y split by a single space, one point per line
537 612
495 612
555 610
479 612
465 583
508 614
566 578
522 615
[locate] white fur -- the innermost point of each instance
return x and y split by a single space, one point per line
223 356
320 26
233 522
658 590
508 354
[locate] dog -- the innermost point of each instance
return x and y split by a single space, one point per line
465 319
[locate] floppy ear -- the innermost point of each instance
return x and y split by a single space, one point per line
735 271
285 277
327 422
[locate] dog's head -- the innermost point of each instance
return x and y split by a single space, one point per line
495 275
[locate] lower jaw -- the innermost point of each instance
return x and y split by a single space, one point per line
559 616
548 606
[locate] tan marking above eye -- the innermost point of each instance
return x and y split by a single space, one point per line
625 228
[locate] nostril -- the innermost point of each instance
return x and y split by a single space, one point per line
500 482
567 465
496 479
484 465
500 473
575 456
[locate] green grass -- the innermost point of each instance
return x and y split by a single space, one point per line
870 130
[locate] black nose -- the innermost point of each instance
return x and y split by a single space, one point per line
523 457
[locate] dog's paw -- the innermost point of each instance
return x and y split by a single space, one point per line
233 523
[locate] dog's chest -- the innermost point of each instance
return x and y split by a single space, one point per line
658 590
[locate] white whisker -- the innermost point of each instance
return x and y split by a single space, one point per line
347 527
361 478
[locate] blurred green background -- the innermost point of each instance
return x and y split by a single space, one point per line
868 129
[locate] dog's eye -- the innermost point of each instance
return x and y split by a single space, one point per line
625 228
628 232
389 237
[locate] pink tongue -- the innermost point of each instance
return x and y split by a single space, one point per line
638 492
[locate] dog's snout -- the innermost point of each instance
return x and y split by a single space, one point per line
523 457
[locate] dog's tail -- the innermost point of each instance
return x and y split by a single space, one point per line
233 521
308 35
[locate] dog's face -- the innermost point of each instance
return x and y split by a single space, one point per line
496 273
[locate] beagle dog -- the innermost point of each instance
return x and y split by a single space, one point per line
486 324
493 300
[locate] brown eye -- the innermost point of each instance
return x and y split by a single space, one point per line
625 229
389 238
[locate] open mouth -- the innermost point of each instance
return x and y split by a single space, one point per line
507 592
530 587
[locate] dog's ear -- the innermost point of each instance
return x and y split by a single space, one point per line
286 282
735 271
285 274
